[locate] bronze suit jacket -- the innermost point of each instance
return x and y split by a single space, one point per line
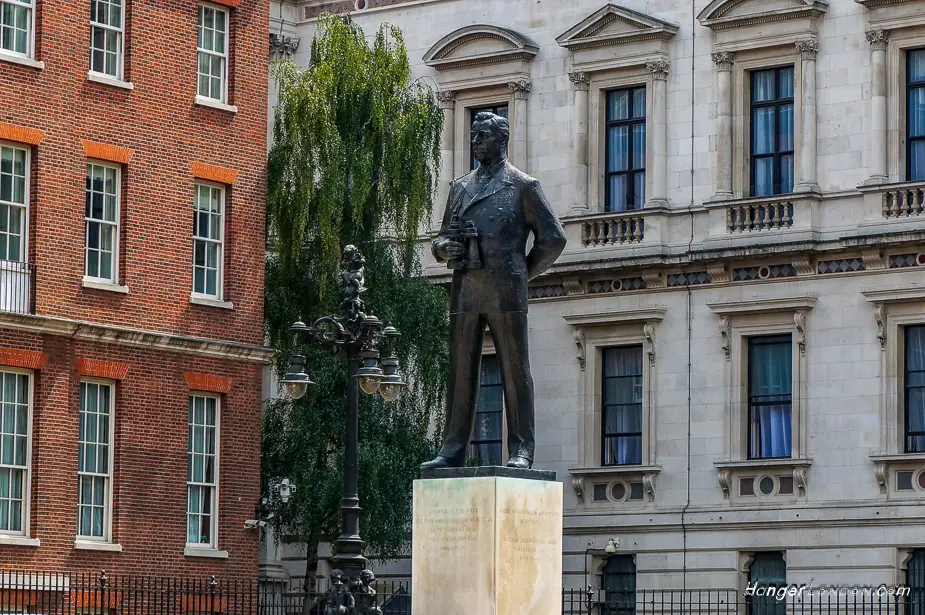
505 211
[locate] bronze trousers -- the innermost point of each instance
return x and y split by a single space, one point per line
509 334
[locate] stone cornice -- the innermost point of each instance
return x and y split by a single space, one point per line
625 317
108 334
588 34
904 294
762 306
716 15
441 55
871 4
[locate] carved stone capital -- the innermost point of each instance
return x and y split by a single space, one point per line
580 343
446 98
880 317
722 59
725 482
799 319
808 48
282 47
648 330
520 88
878 39
578 484
882 474
658 68
648 485
724 331
580 80
718 273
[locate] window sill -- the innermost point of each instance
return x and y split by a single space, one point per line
97 285
5 57
728 473
609 470
18 541
754 464
209 302
92 545
193 551
107 80
583 480
202 101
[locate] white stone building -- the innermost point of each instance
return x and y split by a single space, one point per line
753 279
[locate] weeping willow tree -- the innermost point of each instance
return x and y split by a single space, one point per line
355 154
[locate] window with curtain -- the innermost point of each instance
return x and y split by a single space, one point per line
915 114
625 147
102 220
202 471
497 110
770 390
767 569
914 384
106 22
915 580
622 406
213 53
16 27
208 238
14 451
619 584
14 184
486 438
94 460
772 131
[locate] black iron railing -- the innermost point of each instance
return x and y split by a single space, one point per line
17 287
110 594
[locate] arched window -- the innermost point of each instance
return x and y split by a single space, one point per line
619 583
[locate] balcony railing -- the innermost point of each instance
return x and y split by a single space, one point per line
616 230
764 215
904 201
17 287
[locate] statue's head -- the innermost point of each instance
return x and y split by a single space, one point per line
490 135
337 577
367 576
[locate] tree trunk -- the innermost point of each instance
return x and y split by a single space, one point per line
308 582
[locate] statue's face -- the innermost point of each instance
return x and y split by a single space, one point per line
486 142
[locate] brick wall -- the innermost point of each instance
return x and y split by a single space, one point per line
150 462
168 132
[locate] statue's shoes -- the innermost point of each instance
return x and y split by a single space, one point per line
441 462
520 462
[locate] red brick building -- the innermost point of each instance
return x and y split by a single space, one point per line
132 195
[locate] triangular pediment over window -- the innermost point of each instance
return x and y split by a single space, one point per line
722 14
477 45
615 25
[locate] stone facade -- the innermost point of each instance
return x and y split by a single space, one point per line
703 266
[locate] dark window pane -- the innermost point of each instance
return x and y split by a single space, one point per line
917 160
767 569
785 128
617 193
639 146
600 493
622 405
916 112
619 584
617 148
618 103
639 189
763 85
639 103
916 61
764 177
914 381
785 83
786 174
763 130
769 396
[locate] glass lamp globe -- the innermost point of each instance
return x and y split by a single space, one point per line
368 384
296 390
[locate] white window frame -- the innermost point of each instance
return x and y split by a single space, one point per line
24 241
120 51
220 274
30 35
27 487
224 56
213 545
108 501
116 224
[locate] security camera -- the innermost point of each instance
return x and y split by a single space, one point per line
253 524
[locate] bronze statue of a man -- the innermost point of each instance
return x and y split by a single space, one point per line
489 216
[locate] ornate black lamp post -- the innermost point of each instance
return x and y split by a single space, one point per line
362 337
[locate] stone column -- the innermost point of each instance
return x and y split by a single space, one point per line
878 136
518 143
723 174
808 49
580 203
658 124
447 101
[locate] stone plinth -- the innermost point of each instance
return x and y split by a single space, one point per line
487 541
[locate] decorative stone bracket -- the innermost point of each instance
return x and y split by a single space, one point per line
729 471
584 479
882 299
647 318
726 311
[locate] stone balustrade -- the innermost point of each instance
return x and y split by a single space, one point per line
760 215
618 229
904 201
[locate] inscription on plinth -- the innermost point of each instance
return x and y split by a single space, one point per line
487 546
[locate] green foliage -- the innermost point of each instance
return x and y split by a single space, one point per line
354 160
